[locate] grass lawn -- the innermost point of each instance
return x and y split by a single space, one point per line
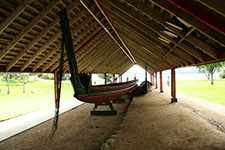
203 89
39 94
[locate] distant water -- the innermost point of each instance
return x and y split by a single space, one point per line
194 76
186 73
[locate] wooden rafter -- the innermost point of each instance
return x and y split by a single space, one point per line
82 46
157 17
58 34
210 32
13 15
132 19
56 58
107 31
28 28
79 37
37 38
115 31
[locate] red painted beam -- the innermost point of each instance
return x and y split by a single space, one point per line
201 14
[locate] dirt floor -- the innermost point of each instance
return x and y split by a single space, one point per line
150 122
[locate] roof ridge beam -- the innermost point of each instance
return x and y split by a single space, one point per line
106 30
115 31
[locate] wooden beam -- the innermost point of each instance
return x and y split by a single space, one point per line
108 57
4 24
36 39
204 28
162 20
58 34
93 59
83 45
137 21
28 28
107 31
121 40
216 5
201 14
56 58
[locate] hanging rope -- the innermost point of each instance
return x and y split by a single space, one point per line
58 88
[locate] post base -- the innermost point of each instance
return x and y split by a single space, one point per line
161 92
174 99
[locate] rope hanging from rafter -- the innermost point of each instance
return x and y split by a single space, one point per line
58 87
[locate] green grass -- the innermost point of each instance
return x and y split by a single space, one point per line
39 94
203 89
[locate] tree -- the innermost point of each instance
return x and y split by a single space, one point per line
222 75
108 77
210 69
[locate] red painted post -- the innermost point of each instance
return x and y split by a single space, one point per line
173 85
113 78
153 81
156 85
161 85
105 77
150 77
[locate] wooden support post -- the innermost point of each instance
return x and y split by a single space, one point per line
156 85
90 74
113 78
173 85
121 78
105 77
161 85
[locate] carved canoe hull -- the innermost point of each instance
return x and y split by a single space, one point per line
104 93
